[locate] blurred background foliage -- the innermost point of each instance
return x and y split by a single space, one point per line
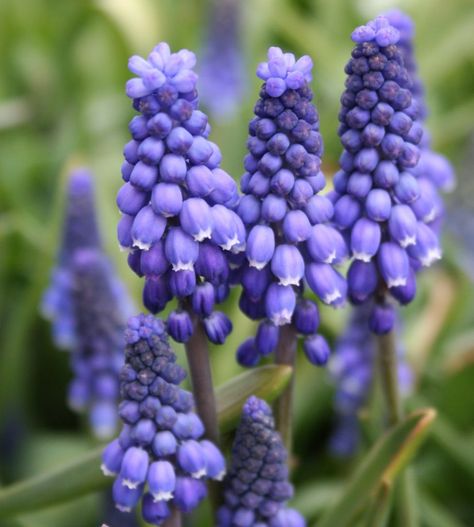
62 103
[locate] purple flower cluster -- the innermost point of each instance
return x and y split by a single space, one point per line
176 203
79 231
380 204
352 369
257 487
433 169
88 308
289 236
222 74
160 446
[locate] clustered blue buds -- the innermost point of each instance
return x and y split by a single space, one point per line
222 72
257 487
380 203
88 307
176 203
352 369
160 446
290 238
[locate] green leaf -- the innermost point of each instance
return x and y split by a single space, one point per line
380 467
83 476
266 382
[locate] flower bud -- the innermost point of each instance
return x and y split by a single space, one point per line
280 303
306 317
427 249
402 225
203 299
296 226
266 339
217 327
326 244
196 219
161 480
247 353
153 262
260 246
181 250
180 326
191 458
365 239
173 169
215 462
144 176
393 264
362 280
378 205
147 228
112 457
182 283
229 231
287 264
316 349
211 264
130 199
166 199
327 283
134 467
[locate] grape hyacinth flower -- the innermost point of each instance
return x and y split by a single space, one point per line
257 487
159 457
290 238
80 230
352 370
222 71
88 307
176 203
380 204
433 169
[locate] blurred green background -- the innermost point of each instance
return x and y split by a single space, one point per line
62 103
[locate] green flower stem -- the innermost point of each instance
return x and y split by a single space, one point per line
387 362
197 352
286 354
388 369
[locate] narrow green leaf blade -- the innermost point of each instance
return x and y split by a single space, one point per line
266 382
380 467
83 476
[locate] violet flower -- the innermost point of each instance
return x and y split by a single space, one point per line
257 486
159 457
433 168
176 203
380 203
352 370
222 72
88 307
290 239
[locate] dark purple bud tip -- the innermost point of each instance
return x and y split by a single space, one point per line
247 354
316 349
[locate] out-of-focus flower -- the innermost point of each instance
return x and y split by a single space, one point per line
381 204
257 486
222 73
88 307
176 203
352 370
290 238
160 456
432 166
